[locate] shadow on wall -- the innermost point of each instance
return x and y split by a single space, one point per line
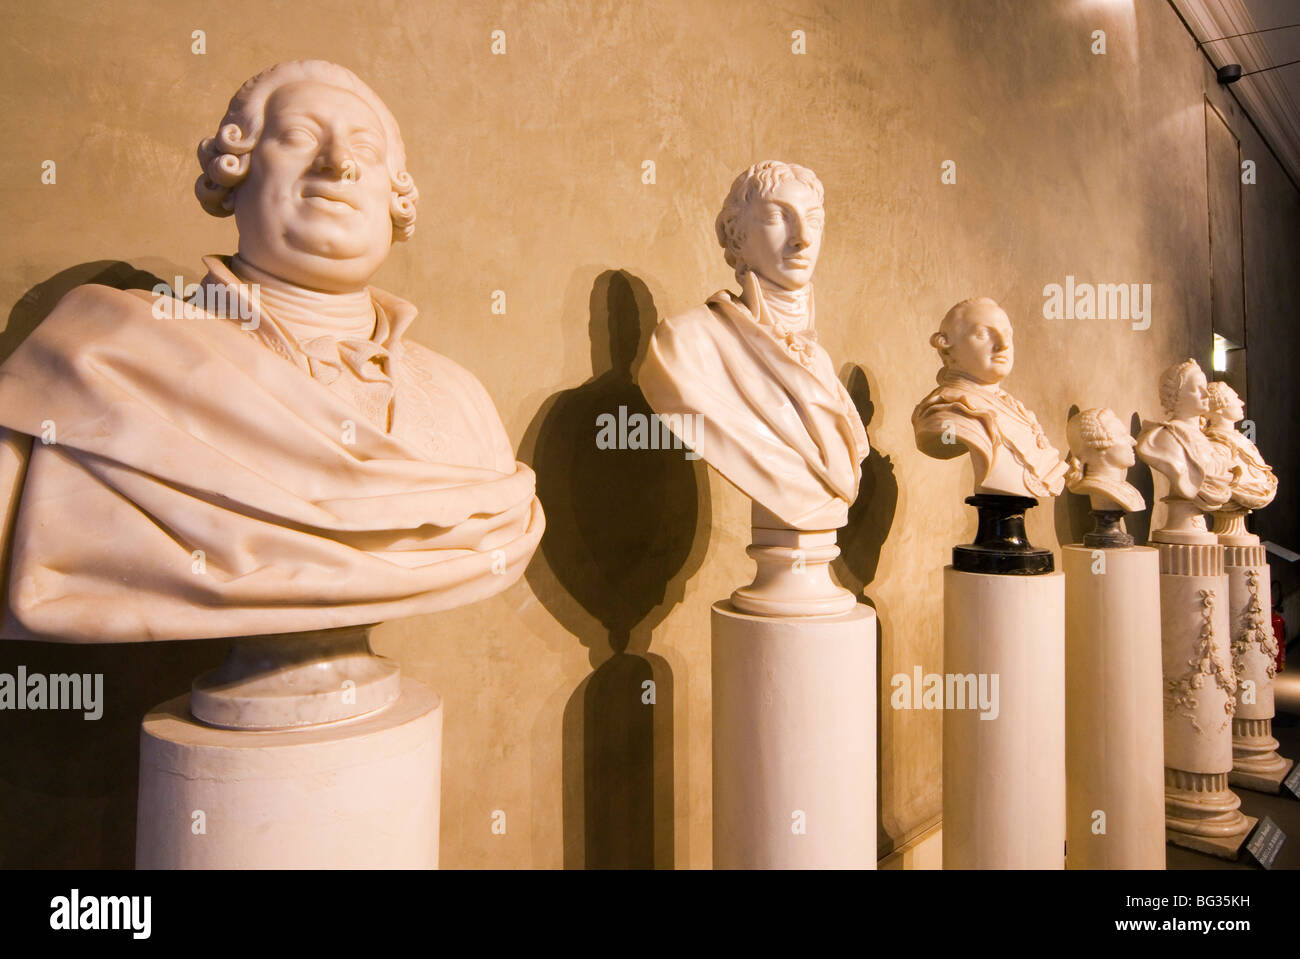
861 539
1139 475
625 528
38 302
71 781
1071 513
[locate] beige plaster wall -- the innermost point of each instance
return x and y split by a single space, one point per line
530 167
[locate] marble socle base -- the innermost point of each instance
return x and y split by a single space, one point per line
1115 797
794 740
361 793
1004 774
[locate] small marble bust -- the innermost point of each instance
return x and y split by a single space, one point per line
970 412
1177 447
1101 452
1252 484
742 378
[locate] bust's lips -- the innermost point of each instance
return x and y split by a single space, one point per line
327 196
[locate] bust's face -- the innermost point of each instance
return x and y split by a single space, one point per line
1193 396
314 210
1233 409
979 343
1119 453
783 235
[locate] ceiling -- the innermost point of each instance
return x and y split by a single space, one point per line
1269 98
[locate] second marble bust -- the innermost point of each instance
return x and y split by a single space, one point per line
765 406
969 411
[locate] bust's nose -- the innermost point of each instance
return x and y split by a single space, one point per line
336 160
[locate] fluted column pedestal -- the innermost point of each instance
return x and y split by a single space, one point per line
1256 764
1201 813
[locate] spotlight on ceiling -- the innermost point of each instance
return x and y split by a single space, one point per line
1229 73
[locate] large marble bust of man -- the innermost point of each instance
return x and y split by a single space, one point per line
277 457
969 412
743 379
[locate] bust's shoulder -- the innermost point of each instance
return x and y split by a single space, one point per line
697 321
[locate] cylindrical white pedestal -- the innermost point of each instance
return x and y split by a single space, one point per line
1114 748
1255 761
794 740
358 794
1201 813
1004 766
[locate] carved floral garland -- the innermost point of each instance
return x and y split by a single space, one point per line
1178 692
1256 632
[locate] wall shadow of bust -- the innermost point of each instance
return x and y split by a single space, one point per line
70 781
626 527
38 302
1071 513
872 514
861 539
1139 476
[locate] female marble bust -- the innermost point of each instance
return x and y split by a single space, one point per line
970 412
307 470
1252 484
1178 448
767 409
1101 452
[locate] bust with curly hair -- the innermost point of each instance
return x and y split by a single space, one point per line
1101 452
1254 483
1178 449
969 412
768 411
326 471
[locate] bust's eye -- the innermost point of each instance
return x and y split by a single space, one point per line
366 151
981 334
297 137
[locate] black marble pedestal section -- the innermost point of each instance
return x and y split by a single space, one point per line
1108 530
1000 544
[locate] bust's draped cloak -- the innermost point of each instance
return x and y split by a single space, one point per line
201 486
768 412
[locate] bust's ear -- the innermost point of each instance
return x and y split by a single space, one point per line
940 342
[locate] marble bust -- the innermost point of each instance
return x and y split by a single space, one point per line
1101 452
1177 447
745 373
1252 483
969 412
308 469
